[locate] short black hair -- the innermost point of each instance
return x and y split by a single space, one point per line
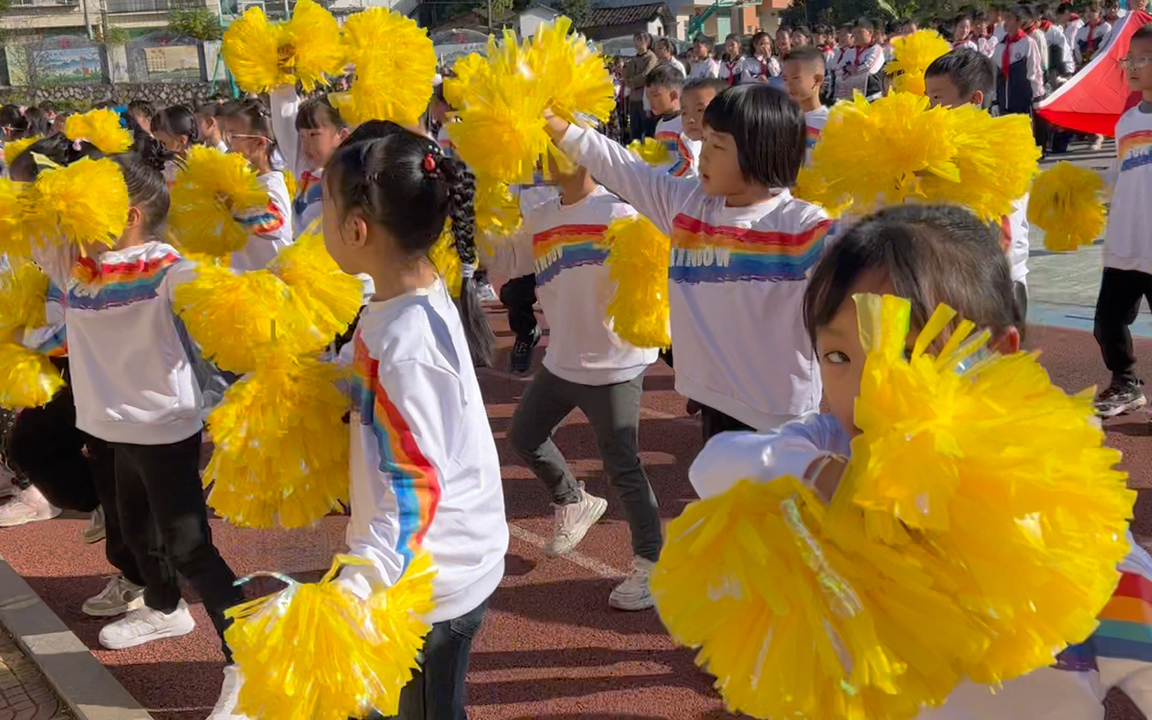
705 41
1064 7
968 70
865 24
807 55
663 42
10 116
141 108
317 112
1023 12
705 83
931 254
665 76
769 130
646 37
48 107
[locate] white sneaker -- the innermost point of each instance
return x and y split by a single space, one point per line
229 696
118 597
486 293
27 506
94 533
144 625
634 593
573 521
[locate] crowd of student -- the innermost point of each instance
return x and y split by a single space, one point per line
759 340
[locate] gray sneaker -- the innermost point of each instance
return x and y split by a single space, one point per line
573 521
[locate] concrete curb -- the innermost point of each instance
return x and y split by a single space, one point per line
80 680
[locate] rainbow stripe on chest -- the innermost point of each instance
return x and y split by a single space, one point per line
704 253
567 246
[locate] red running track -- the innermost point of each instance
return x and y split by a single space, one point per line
550 649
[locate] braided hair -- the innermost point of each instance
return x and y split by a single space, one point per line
403 182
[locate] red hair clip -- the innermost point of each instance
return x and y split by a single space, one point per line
429 164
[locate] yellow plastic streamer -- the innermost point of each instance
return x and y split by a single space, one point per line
13 242
208 190
911 56
100 128
15 148
23 294
281 445
318 652
650 150
638 257
263 56
326 297
85 203
447 261
1065 204
27 378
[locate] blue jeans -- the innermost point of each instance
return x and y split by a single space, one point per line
437 690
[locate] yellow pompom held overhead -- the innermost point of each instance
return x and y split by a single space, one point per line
326 297
497 212
263 56
1065 204
15 148
101 128
911 56
395 67
975 534
319 652
898 149
638 256
209 191
281 446
582 90
85 203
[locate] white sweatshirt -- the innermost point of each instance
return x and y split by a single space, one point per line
574 289
269 228
131 376
1018 229
737 278
425 472
1128 239
683 153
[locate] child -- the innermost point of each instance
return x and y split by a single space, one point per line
425 473
928 255
210 131
963 77
666 54
665 84
317 130
741 250
137 397
845 41
177 129
862 65
762 66
1070 23
1127 247
586 366
698 93
1092 36
141 112
733 65
1020 74
804 76
703 64
962 33
1061 63
247 128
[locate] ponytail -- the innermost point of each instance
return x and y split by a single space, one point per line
461 208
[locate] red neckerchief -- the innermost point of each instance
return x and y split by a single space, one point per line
1045 25
961 43
763 65
732 67
1073 17
1092 36
860 54
1007 62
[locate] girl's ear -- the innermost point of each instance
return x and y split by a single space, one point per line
135 217
1007 342
354 230
344 133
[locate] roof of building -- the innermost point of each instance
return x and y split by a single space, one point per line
625 15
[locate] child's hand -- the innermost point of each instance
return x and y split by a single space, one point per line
556 127
825 474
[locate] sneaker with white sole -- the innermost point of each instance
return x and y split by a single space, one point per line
634 593
27 506
94 533
119 596
229 696
144 625
573 521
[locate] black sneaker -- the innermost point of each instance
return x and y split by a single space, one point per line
521 363
1119 399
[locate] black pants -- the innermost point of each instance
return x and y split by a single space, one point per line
46 450
518 296
1020 291
1121 292
161 517
437 690
713 422
637 121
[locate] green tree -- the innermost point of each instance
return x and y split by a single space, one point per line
578 10
195 22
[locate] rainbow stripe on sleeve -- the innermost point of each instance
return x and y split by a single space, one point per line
264 222
703 253
99 287
413 479
1125 631
567 246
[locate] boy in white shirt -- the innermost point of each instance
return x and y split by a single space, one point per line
1127 276
733 64
862 65
804 76
666 54
703 64
1020 76
1092 36
665 84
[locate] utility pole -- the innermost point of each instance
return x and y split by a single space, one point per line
489 15
87 20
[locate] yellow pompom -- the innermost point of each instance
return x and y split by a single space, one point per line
23 294
794 624
897 149
13 242
810 187
327 297
101 128
281 445
85 203
15 148
319 652
497 212
27 378
219 303
911 56
395 67
465 71
1065 204
650 150
263 56
638 257
447 261
209 188
1004 476
581 86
